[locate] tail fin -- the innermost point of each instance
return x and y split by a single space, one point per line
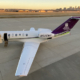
66 26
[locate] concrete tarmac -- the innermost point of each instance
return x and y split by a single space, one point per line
65 69
48 53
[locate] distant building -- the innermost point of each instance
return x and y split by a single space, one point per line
42 11
2 10
27 11
33 11
11 10
79 7
36 10
21 11
64 9
49 10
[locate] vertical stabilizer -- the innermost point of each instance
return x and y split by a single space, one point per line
66 26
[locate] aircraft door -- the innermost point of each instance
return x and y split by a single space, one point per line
5 39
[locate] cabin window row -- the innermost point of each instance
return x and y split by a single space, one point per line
17 34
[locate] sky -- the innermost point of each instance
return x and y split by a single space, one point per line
38 4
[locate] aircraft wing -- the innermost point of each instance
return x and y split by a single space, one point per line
27 57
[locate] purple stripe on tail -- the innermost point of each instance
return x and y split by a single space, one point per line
67 25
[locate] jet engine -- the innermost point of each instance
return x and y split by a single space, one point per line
46 35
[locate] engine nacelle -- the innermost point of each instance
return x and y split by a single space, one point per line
46 35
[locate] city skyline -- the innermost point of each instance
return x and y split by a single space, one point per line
38 4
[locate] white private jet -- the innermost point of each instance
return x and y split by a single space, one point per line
32 40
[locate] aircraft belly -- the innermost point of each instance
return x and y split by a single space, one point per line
29 40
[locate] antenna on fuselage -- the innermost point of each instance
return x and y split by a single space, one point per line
23 29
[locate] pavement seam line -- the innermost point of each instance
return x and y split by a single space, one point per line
1 75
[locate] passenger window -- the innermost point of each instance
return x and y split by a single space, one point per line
8 34
26 34
19 34
15 34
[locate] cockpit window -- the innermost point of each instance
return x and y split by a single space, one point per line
15 34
